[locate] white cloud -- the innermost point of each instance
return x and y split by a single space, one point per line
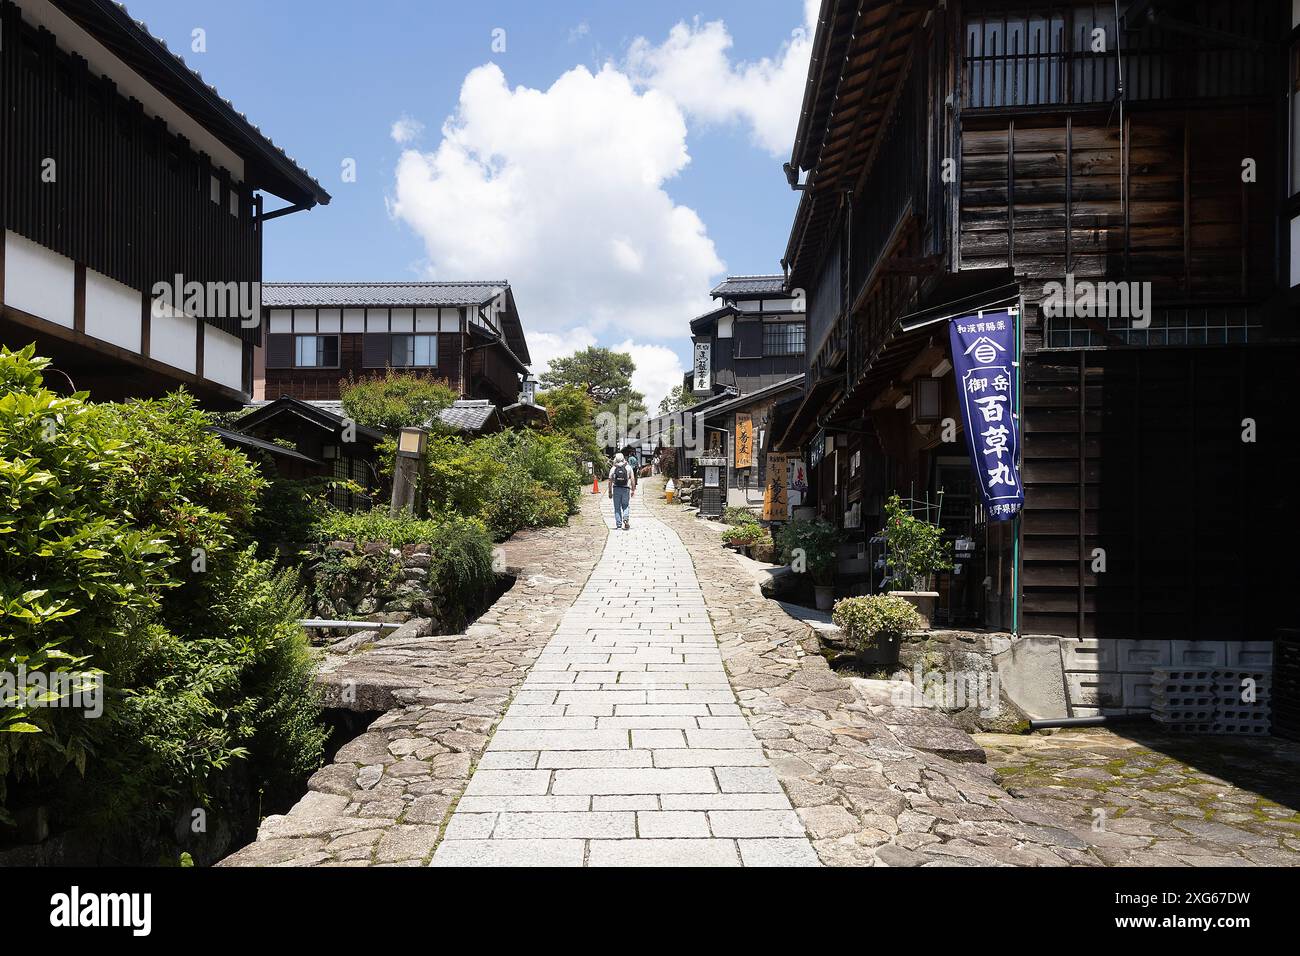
406 129
658 369
580 31
561 191
695 68
545 346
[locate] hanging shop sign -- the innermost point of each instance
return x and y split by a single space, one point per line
984 362
798 482
817 450
776 498
703 366
744 440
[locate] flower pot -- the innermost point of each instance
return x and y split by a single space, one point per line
825 596
923 601
887 646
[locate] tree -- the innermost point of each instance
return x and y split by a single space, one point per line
605 376
395 400
573 413
676 400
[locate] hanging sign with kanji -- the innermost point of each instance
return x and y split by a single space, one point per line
984 362
744 440
776 506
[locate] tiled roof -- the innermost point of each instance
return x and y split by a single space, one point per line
468 415
750 285
378 294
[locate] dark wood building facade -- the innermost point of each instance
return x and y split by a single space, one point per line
319 334
121 172
965 156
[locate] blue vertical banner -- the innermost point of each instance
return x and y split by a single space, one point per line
984 361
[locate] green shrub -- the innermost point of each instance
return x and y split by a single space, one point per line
513 479
394 400
120 526
915 548
374 525
735 515
809 546
289 509
76 577
459 477
865 619
461 574
745 534
231 700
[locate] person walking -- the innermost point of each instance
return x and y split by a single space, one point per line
622 482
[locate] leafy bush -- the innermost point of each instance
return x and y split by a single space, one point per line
915 548
394 400
511 480
121 526
76 577
736 515
289 509
809 546
461 574
235 690
374 525
745 534
550 460
865 619
459 478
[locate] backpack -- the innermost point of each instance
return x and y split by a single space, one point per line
620 476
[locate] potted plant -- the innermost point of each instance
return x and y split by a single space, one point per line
740 537
877 622
915 552
810 547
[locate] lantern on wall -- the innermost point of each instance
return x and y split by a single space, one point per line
927 401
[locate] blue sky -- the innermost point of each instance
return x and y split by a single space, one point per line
612 162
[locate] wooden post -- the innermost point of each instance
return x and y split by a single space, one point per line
405 472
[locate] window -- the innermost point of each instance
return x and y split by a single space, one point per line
316 351
420 351
783 338
1033 53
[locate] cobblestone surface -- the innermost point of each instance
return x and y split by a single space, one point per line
1145 798
864 796
385 798
625 745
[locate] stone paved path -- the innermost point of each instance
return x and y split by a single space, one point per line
1148 798
625 745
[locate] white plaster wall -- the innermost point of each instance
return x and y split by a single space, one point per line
223 358
112 311
172 340
38 281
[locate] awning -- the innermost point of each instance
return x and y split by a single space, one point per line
804 419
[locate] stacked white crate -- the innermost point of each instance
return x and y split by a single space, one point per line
1212 700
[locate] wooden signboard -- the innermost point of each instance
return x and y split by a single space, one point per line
744 440
776 504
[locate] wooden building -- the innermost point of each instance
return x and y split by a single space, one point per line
748 355
326 444
131 200
971 155
320 333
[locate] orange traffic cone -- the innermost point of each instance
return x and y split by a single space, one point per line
595 485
